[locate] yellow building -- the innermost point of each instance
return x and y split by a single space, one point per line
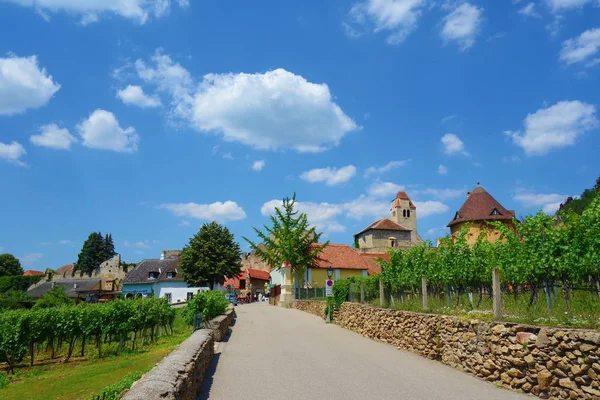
345 261
475 213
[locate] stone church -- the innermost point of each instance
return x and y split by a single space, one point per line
399 231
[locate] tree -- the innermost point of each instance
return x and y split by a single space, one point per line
95 251
211 255
54 297
10 265
289 239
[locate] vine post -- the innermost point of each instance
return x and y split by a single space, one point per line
381 293
362 291
424 290
497 293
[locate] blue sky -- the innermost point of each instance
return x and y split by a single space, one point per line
146 118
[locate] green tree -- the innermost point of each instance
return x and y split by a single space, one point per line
10 265
211 255
95 251
290 239
54 297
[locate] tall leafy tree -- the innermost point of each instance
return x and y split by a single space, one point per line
290 238
211 255
93 253
10 265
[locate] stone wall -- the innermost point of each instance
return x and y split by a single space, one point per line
547 362
310 306
179 375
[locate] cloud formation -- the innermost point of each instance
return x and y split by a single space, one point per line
453 145
101 130
12 153
462 25
218 211
331 176
53 137
134 95
375 170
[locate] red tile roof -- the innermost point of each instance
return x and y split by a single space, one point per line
340 256
235 282
384 224
31 272
258 274
403 196
371 260
66 270
479 206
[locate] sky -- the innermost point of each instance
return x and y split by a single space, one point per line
147 118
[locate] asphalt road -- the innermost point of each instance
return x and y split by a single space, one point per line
283 354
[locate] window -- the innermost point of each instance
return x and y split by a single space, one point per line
495 212
457 215
404 213
190 295
168 297
152 275
408 214
242 284
170 275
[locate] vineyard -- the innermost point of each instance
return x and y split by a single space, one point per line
549 268
67 330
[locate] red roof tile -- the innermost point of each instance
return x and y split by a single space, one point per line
403 196
384 224
340 256
258 274
31 272
480 206
371 260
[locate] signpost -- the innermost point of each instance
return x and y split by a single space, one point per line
328 288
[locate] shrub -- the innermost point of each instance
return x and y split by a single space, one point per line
209 304
113 392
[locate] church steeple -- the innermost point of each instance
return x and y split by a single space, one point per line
404 212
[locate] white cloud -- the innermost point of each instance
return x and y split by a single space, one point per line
453 145
385 168
64 242
90 10
581 48
549 203
272 110
430 207
31 258
448 118
12 153
384 189
397 17
462 25
330 175
218 211
258 165
555 127
529 11
442 170
102 131
438 232
321 215
441 194
566 5
184 223
24 85
53 137
134 95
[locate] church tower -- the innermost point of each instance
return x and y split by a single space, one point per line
404 213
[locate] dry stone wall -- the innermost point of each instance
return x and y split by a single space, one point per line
550 363
310 306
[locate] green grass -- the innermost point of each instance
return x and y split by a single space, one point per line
584 311
81 379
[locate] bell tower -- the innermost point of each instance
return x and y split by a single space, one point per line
404 212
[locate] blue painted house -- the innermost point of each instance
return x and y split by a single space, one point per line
159 278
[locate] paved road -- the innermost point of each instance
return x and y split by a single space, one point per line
283 354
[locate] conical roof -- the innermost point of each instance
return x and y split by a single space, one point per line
481 206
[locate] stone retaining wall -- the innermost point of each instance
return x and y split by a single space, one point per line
179 375
315 307
546 362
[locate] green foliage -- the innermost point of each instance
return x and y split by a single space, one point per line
113 392
211 255
3 380
21 330
54 297
18 282
127 266
10 265
14 299
290 239
96 249
210 304
577 206
341 289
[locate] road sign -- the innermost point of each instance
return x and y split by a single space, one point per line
328 288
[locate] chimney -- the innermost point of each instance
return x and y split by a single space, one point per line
162 255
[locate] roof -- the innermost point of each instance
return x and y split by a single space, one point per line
140 273
385 224
403 196
258 274
66 270
371 260
340 256
480 206
31 272
235 282
83 285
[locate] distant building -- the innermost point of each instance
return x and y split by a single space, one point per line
253 261
31 272
160 278
372 261
399 231
103 283
248 281
475 213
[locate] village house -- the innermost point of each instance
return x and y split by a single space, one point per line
477 211
160 278
103 283
250 280
399 231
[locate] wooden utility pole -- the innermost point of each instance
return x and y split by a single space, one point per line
497 293
381 293
424 290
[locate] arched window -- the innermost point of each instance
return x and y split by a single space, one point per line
408 214
404 213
